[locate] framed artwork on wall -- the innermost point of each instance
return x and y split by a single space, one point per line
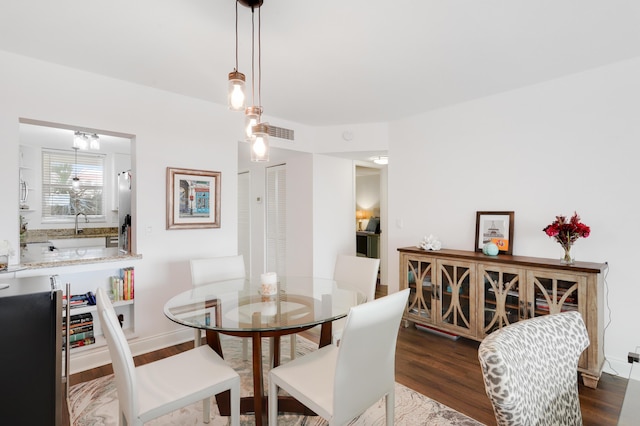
496 227
193 199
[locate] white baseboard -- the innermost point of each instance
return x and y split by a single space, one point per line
99 356
617 367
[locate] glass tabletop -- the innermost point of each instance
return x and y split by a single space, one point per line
237 305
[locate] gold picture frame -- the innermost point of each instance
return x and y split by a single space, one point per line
193 199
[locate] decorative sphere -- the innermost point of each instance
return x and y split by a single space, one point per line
490 249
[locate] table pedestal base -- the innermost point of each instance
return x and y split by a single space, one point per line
257 404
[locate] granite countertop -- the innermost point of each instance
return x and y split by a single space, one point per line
44 235
37 250
73 256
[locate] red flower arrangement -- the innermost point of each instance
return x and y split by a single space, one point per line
567 232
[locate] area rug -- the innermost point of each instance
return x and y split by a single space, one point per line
95 403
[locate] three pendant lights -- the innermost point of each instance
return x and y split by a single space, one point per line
256 132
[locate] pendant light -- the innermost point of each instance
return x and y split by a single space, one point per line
253 114
75 182
236 97
86 141
260 142
257 131
80 141
94 141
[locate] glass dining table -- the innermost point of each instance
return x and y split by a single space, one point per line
237 308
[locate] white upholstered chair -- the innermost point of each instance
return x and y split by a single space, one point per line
530 370
215 269
341 382
155 389
357 272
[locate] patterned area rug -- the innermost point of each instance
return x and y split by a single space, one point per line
95 402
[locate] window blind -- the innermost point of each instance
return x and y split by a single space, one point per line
59 200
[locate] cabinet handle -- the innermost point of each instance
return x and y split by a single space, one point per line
522 310
531 310
67 348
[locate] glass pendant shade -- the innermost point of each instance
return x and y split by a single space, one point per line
236 98
94 142
80 141
252 118
260 142
75 182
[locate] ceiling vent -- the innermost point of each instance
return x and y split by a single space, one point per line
280 132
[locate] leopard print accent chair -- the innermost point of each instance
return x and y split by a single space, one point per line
530 370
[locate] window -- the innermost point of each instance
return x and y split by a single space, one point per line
60 202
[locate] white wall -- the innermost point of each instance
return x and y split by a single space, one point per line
334 226
567 145
170 130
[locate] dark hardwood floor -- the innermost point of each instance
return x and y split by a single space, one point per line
447 371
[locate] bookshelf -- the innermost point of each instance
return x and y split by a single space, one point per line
471 295
81 283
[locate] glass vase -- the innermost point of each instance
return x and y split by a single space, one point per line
4 262
567 259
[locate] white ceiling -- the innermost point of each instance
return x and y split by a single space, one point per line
330 62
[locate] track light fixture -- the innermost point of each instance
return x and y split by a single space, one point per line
86 141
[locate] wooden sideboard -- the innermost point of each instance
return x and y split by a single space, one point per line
470 294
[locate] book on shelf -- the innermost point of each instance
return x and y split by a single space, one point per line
79 336
83 342
78 319
122 286
542 305
80 328
76 300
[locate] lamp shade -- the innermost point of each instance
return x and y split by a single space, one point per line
236 97
94 142
260 142
252 118
80 141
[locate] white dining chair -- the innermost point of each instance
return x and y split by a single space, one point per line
356 272
158 388
216 269
341 382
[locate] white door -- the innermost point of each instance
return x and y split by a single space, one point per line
276 220
244 219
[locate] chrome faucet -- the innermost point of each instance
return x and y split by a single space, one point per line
86 220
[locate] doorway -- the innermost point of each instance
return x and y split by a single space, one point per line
370 208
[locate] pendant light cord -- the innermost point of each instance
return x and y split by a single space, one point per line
259 58
236 69
253 79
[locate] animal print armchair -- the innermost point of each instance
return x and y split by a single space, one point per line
530 370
